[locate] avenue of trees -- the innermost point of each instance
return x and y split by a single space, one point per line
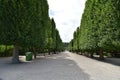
26 25
99 31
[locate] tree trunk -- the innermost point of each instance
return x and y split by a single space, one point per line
54 52
101 55
6 54
34 53
5 48
76 52
49 52
44 54
91 55
15 58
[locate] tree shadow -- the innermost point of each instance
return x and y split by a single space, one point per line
56 67
113 61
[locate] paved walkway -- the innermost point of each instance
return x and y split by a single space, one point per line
63 66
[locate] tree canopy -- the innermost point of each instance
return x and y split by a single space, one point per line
26 23
99 30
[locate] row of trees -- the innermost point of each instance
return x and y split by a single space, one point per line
99 31
26 24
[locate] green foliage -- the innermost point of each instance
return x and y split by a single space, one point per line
26 23
15 18
6 50
99 29
53 40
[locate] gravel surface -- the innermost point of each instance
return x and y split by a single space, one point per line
96 69
63 66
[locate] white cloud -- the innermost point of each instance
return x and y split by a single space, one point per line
67 15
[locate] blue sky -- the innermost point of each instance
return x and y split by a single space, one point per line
67 15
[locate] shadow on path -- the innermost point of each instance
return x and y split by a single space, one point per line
56 67
113 61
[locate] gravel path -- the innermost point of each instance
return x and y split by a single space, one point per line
63 66
96 69
55 67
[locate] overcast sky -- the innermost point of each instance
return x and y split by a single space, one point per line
67 15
